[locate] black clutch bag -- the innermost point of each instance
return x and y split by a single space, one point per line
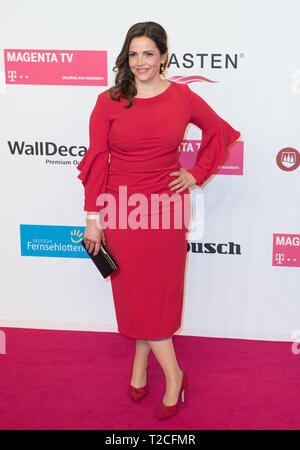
104 261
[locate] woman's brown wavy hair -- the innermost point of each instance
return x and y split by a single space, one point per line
124 86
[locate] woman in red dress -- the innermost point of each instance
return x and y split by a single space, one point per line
136 128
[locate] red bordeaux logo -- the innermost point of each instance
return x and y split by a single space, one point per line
288 159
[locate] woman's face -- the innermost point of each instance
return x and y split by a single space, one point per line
144 58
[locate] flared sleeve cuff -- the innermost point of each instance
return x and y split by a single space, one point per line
214 150
94 173
94 165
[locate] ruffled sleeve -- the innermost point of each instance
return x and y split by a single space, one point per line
94 165
217 135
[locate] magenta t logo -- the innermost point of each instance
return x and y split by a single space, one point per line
286 250
232 166
56 67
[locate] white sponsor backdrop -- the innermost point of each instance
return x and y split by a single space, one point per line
226 295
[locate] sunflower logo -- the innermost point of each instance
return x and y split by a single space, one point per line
76 236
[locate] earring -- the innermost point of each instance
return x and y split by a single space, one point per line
163 72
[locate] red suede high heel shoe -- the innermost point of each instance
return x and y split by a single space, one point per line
137 394
165 412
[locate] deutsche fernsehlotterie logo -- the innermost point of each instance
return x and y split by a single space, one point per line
56 67
288 159
286 250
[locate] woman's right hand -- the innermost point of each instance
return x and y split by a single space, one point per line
93 235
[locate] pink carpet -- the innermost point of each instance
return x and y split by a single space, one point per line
78 380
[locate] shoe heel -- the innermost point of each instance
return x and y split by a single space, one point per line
182 395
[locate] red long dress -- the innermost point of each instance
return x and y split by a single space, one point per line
143 143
